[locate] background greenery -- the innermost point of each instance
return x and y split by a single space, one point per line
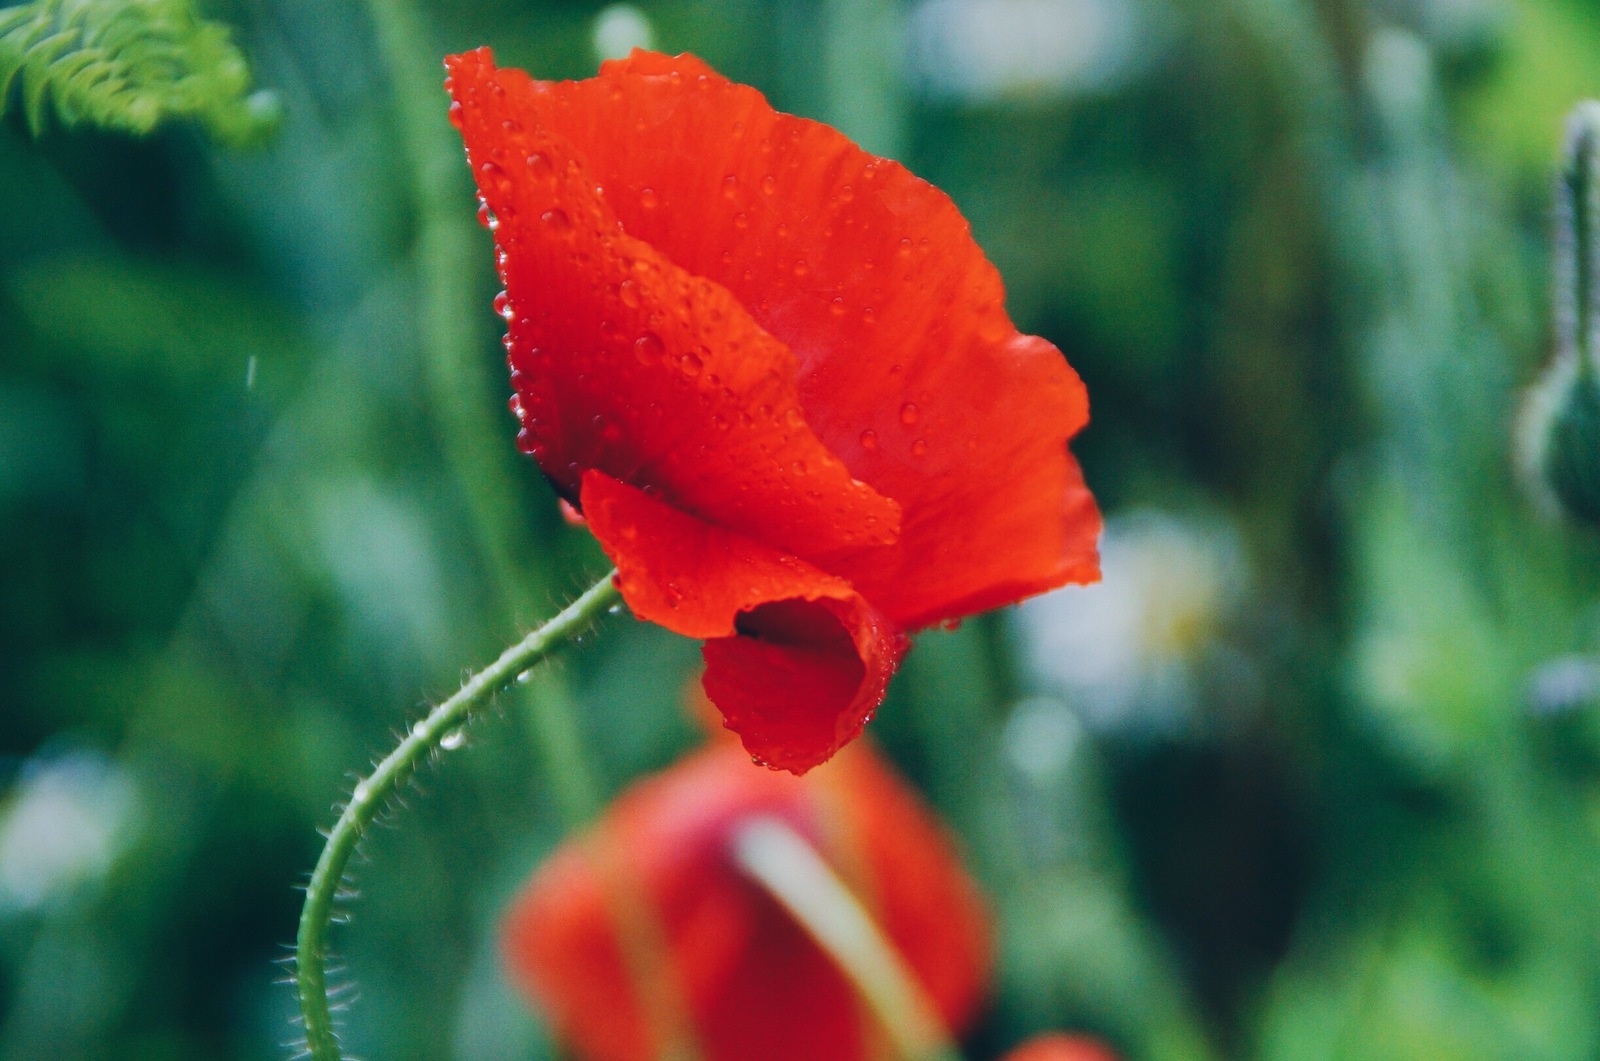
1315 774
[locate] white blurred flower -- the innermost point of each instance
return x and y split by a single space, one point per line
62 825
1125 651
619 29
987 49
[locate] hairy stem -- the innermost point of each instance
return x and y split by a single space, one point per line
781 861
372 794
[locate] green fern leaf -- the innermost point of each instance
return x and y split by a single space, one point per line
127 66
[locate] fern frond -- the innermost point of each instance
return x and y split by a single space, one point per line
128 66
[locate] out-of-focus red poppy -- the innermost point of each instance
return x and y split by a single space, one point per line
776 375
1061 1047
753 982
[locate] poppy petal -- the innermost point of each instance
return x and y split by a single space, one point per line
625 362
910 370
797 660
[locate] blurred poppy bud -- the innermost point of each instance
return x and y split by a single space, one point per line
737 972
1060 1047
1560 443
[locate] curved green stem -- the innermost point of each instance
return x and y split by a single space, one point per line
781 861
372 794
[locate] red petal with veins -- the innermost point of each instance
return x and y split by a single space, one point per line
763 326
796 660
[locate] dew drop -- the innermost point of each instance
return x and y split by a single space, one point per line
526 443
648 348
836 307
492 176
869 316
769 185
628 291
919 448
648 198
741 220
485 218
799 468
453 740
730 187
801 268
691 365
794 418
539 166
869 439
556 220
908 414
502 306
455 113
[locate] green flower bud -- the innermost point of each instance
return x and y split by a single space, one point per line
1560 436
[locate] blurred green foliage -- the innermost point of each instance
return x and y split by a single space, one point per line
1297 251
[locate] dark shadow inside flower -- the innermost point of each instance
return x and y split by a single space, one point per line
800 675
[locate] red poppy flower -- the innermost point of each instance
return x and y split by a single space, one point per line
1060 1047
753 983
776 375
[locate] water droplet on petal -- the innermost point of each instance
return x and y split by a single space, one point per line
769 185
919 448
455 113
556 220
453 740
485 217
730 186
502 306
539 167
801 268
492 177
869 439
691 364
628 291
648 198
908 414
648 348
836 307
741 220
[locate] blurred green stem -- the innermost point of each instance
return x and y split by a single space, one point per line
781 861
372 795
459 392
444 255
1577 255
